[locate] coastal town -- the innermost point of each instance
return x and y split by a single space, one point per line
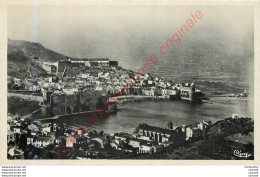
100 88
29 139
93 80
80 86
83 85
32 140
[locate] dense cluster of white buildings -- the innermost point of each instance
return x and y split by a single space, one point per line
100 75
94 76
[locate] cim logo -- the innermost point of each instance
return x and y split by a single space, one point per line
238 153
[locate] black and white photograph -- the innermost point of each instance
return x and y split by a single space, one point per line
130 82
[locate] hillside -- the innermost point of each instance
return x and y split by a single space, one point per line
221 140
25 57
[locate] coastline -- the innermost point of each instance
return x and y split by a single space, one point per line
136 98
127 99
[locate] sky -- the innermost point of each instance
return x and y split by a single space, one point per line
130 34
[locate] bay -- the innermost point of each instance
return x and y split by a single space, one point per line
159 113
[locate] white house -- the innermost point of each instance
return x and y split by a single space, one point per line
146 149
193 132
43 141
17 130
70 142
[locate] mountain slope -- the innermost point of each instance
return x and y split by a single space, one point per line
25 57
